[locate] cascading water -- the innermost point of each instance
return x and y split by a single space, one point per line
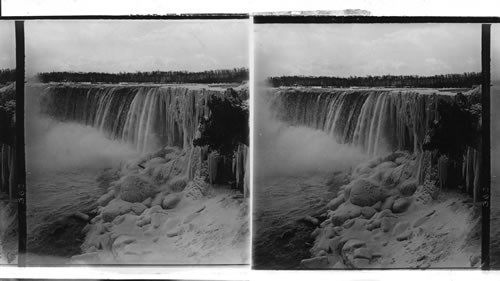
375 120
144 116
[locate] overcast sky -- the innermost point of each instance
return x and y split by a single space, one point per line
114 46
7 45
367 49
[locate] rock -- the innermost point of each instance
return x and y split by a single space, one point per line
365 193
147 202
377 206
401 205
368 212
386 213
348 224
134 188
104 241
421 258
316 262
158 199
360 263
373 225
115 208
333 244
175 232
123 240
119 220
178 184
104 200
408 187
157 219
400 227
353 244
389 201
143 221
345 212
138 208
430 213
170 201
362 253
309 219
385 224
335 203
81 216
404 236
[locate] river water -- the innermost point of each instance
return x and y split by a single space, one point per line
280 241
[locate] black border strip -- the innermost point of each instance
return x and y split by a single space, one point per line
135 17
20 155
276 19
486 144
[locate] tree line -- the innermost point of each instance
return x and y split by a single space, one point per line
235 75
7 75
465 80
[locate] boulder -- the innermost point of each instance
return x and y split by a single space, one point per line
104 200
365 193
335 203
135 188
400 205
368 212
158 199
147 202
81 216
362 253
170 201
115 208
388 202
408 187
138 208
345 212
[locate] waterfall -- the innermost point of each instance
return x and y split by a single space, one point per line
146 117
379 121
375 120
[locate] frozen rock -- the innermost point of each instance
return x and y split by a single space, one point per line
345 212
408 187
138 208
353 244
400 205
316 262
400 227
365 193
158 199
178 184
104 200
115 208
360 263
335 203
134 188
368 212
147 202
388 202
170 201
362 253
386 224
176 232
157 219
404 236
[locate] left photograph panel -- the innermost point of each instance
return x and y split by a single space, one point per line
137 142
8 192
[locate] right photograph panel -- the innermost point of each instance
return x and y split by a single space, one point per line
367 146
